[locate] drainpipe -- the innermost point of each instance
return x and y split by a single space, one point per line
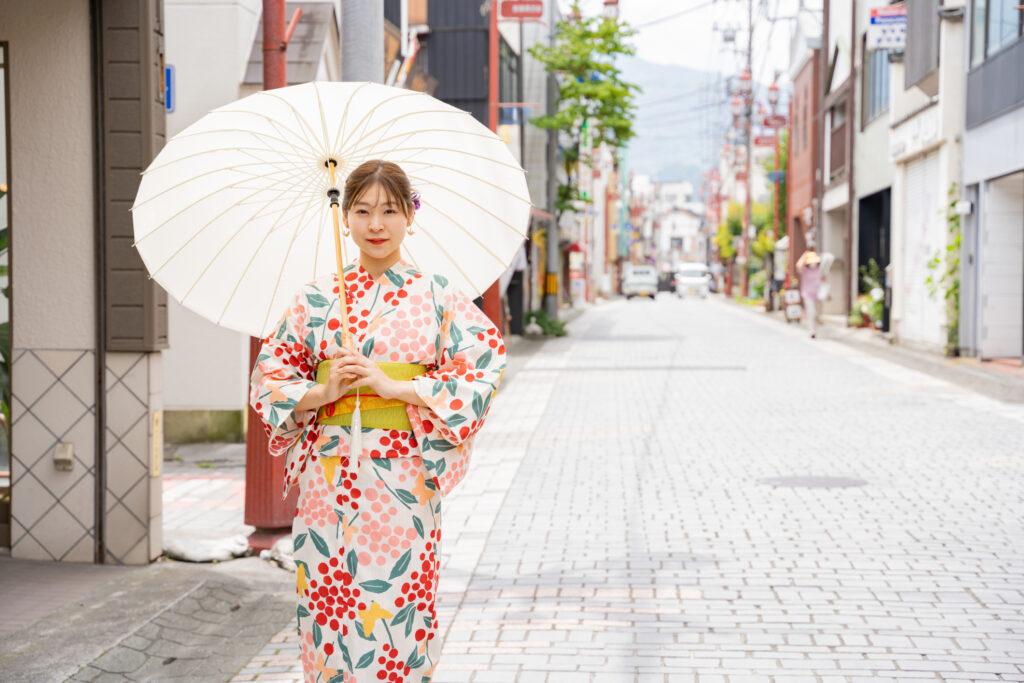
99 218
851 201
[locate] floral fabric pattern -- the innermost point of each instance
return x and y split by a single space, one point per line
367 537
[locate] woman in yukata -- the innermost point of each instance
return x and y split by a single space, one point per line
424 365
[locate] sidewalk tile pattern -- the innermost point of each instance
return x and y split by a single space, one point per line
614 527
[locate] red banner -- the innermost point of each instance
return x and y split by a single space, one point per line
522 9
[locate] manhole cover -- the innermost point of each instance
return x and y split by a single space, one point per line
814 482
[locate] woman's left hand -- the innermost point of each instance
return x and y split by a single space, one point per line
366 373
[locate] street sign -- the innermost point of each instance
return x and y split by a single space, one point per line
169 90
764 140
888 28
774 176
522 9
775 121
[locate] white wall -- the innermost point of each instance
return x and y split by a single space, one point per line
52 183
205 79
1001 268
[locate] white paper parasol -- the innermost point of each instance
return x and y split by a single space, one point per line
233 215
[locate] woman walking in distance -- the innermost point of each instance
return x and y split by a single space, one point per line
418 382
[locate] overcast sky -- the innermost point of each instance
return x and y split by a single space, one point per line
690 40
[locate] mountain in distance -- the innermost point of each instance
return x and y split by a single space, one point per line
681 117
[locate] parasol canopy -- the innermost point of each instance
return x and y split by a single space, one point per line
233 215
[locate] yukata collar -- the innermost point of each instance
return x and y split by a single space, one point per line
396 273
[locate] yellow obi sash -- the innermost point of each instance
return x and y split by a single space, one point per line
376 412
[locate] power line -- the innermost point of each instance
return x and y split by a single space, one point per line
674 16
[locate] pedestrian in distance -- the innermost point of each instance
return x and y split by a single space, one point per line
374 434
808 267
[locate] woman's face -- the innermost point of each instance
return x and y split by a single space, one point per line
378 223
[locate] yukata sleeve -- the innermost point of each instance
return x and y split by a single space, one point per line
470 364
282 376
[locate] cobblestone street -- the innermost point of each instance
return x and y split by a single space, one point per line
617 524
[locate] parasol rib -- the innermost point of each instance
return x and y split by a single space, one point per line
248 176
230 150
184 135
470 175
166 222
355 131
452 131
344 115
513 167
468 200
252 258
280 272
209 263
471 236
447 254
278 126
298 117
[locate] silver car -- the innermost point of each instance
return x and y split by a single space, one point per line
693 279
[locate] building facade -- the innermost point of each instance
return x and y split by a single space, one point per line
87 324
992 279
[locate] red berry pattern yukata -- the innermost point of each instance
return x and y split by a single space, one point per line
367 537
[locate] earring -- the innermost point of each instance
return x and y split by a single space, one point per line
410 231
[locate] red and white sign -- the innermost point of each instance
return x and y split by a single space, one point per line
522 9
764 140
775 121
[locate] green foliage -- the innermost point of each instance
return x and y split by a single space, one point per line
871 277
769 166
945 277
756 284
723 239
551 326
595 105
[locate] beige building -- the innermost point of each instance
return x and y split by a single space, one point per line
83 114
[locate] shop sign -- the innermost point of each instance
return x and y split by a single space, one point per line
888 28
522 9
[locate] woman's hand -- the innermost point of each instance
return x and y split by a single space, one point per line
337 386
365 374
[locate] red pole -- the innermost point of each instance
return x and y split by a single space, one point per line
492 298
264 475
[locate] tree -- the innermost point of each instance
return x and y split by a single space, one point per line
769 167
728 230
593 100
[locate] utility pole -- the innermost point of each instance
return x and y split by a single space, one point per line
491 296
264 475
749 95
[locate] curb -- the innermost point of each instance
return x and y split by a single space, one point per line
960 371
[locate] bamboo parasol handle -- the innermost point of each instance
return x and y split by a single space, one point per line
346 334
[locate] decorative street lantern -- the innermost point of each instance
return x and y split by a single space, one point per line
744 83
773 95
737 106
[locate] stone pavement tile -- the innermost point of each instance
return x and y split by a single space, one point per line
615 524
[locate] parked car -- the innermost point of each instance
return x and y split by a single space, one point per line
640 281
693 279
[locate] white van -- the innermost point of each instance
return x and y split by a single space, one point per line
693 279
640 281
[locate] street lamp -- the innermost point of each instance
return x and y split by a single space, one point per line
737 106
744 83
773 95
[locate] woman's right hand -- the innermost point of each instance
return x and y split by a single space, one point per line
337 383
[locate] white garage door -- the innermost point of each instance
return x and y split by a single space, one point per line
1001 268
924 233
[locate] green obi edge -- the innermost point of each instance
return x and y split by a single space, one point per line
390 413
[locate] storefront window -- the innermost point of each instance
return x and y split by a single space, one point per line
978 33
1003 24
876 84
995 25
